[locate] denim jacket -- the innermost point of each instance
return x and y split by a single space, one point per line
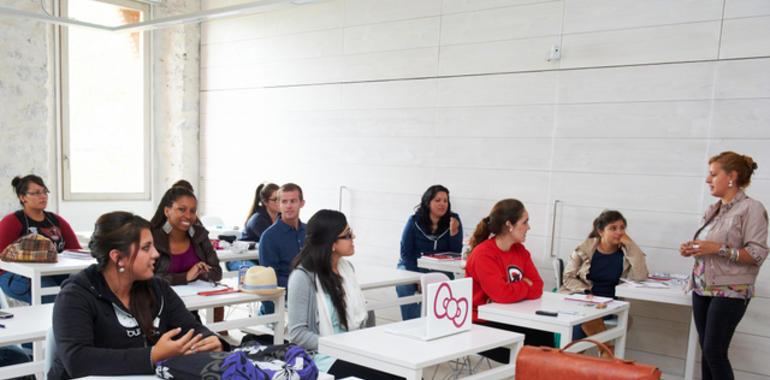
742 223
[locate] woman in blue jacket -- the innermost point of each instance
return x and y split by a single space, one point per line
433 228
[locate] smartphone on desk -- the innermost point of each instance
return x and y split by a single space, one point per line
5 315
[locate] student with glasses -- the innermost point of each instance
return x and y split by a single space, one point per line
32 218
264 211
325 298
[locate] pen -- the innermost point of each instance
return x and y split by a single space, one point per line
2 326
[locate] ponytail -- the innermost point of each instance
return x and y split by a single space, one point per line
480 234
506 210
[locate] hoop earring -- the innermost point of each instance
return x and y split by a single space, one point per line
167 227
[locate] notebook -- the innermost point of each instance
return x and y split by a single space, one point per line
448 312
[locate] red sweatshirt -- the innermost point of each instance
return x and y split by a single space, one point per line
497 275
12 229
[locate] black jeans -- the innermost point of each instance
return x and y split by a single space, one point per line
716 319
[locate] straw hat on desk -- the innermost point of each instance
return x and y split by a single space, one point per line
261 280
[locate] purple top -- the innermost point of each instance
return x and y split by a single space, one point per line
182 262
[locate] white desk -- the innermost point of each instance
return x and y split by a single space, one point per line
321 376
35 271
674 296
67 265
407 357
227 255
29 324
456 267
523 314
376 277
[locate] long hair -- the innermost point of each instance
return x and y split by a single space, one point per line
316 256
506 210
603 220
261 196
422 211
21 184
120 230
168 200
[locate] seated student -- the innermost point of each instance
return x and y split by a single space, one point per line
282 241
186 253
33 196
325 298
263 213
114 318
432 228
502 269
598 263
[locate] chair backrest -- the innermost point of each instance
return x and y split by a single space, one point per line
210 222
429 278
50 350
558 272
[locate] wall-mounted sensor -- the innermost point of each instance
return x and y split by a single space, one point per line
554 54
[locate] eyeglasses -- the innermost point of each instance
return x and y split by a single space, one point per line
39 193
275 199
347 236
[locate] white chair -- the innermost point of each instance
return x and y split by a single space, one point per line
212 222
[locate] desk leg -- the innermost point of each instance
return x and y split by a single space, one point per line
692 343
36 290
280 325
209 316
565 336
37 354
416 375
620 343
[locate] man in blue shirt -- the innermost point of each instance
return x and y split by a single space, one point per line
281 242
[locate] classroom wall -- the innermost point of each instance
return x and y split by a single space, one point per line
30 140
388 97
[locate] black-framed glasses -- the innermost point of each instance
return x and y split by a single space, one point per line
347 236
39 193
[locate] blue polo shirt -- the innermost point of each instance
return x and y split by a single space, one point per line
278 246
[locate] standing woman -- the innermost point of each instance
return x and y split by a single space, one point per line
728 249
433 228
186 253
502 269
33 196
325 298
114 318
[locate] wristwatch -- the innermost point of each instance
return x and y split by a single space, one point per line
723 251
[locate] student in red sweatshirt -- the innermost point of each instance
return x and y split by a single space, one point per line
502 269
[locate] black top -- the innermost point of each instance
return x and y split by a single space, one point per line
96 335
605 273
256 225
49 228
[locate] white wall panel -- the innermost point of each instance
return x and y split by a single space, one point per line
593 15
666 120
396 35
746 37
743 79
670 43
498 56
746 8
529 88
412 63
373 11
458 6
744 118
524 21
535 121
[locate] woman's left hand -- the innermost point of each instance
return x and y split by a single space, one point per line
454 226
210 343
704 248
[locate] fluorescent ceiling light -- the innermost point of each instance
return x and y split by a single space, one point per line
259 6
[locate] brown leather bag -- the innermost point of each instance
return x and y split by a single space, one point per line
554 364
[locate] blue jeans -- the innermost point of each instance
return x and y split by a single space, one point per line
236 265
412 310
19 287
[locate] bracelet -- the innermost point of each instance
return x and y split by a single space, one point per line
735 254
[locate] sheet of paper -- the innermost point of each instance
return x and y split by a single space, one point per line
194 287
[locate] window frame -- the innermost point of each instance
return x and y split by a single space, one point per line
62 84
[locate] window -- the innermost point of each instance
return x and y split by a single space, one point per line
105 103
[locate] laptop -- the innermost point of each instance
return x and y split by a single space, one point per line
449 305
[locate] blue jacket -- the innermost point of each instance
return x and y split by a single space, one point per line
278 246
256 225
415 242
